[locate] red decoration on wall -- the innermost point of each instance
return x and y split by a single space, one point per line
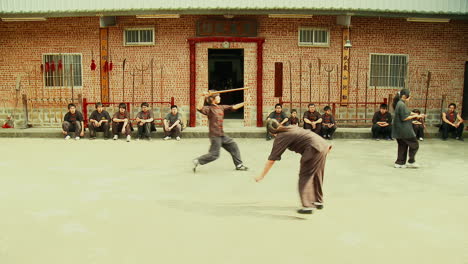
60 66
42 68
106 66
111 66
47 67
93 65
52 66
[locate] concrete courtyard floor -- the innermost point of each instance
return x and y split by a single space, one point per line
139 202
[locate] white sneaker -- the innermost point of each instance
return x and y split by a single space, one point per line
412 165
177 138
115 137
421 139
77 138
67 137
398 166
167 138
128 138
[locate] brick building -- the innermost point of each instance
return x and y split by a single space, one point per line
352 55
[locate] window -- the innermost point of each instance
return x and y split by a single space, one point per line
388 70
139 36
55 75
314 37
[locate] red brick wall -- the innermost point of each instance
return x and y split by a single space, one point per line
438 47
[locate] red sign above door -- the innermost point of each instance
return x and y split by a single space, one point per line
232 28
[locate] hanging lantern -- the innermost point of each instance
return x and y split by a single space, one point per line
93 65
47 67
60 66
52 66
111 65
42 68
106 66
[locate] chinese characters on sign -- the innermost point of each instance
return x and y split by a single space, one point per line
104 74
232 28
345 70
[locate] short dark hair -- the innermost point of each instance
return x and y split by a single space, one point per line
210 98
123 105
173 106
416 111
276 105
294 110
454 105
383 106
71 105
144 104
311 104
326 108
98 104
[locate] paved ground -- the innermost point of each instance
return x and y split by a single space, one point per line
117 202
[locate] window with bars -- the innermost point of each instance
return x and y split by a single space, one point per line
388 70
314 37
139 36
62 70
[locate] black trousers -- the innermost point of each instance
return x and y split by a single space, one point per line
103 128
419 130
328 130
384 132
446 128
407 148
216 143
144 130
317 130
72 127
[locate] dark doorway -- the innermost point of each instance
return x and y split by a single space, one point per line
226 71
465 94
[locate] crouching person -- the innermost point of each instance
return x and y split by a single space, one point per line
328 123
73 122
121 123
173 124
99 122
145 123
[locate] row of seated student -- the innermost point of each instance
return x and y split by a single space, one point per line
121 123
323 125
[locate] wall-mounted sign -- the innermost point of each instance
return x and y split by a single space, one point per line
345 70
231 28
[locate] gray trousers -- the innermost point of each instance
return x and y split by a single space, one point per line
216 143
72 127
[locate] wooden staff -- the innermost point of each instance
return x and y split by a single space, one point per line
310 82
123 80
227 91
290 85
300 87
365 104
152 83
357 90
428 83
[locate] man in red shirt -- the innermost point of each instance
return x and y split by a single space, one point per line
452 122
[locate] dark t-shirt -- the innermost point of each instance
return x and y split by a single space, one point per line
104 115
215 115
312 116
379 117
402 129
297 140
173 118
293 120
279 117
119 115
77 116
145 115
328 119
452 117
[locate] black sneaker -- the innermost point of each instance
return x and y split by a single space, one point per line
304 211
242 168
319 206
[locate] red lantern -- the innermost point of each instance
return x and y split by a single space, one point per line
52 66
93 65
42 68
111 65
47 67
106 66
60 66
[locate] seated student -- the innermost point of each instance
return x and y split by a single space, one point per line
145 123
173 124
279 116
99 122
382 123
312 120
73 122
293 120
328 123
121 122
418 125
452 122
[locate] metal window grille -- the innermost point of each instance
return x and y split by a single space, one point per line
139 36
388 70
62 77
313 37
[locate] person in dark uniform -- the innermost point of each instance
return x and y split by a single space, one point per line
145 123
279 116
403 131
314 150
99 121
382 123
173 124
215 113
293 120
312 120
73 122
328 123
121 122
452 122
418 125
